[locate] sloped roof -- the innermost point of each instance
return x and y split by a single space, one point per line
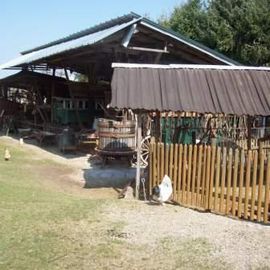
72 44
188 88
100 27
102 31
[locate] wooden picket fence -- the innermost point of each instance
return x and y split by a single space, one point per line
216 179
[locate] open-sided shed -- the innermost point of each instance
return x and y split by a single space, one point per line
129 39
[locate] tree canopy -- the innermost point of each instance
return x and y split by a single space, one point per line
239 29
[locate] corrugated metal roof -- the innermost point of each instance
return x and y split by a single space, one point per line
97 33
102 26
67 46
205 90
189 66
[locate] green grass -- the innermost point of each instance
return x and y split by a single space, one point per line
34 221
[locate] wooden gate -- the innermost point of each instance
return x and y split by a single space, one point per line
221 180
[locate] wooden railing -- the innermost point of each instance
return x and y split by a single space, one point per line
221 180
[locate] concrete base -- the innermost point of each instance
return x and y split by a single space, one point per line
98 177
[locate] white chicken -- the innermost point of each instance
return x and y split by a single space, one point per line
163 192
7 155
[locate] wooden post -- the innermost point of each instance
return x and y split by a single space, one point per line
151 164
249 132
73 99
154 165
138 169
52 94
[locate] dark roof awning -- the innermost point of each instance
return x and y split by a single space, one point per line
187 88
23 78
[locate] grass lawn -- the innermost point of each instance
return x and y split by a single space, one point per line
45 228
35 222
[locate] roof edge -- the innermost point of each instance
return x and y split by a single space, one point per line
187 66
96 28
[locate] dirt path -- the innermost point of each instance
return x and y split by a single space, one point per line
64 174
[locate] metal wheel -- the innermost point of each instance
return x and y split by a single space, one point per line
144 155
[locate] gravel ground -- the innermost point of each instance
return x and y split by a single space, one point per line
241 244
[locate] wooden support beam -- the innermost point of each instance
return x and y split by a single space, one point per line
138 168
165 50
73 100
129 35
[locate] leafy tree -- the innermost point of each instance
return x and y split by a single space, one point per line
238 28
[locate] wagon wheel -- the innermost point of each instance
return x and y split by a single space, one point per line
144 156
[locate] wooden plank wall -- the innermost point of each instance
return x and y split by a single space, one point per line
225 181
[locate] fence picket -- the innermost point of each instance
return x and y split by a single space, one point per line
241 183
212 172
199 175
184 169
151 166
207 179
247 179
171 161
175 170
229 179
190 148
167 159
154 165
204 165
235 175
223 175
180 172
158 164
254 185
194 170
266 195
217 179
261 176
162 159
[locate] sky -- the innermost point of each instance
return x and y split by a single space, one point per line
25 24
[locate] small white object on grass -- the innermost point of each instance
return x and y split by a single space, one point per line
7 155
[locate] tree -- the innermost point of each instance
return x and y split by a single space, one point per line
238 28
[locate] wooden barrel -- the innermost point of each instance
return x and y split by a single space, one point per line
116 136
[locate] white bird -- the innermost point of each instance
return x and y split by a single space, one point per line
7 155
163 192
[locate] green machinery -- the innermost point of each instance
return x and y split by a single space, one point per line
64 112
